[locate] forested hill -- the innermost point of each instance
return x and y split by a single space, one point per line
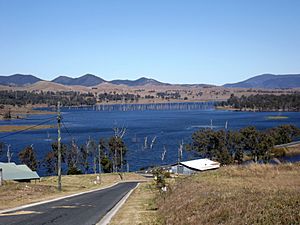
269 81
265 102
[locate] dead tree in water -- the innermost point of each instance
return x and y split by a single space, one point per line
163 155
119 132
152 142
180 149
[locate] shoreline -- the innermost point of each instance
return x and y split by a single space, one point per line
228 108
15 128
22 112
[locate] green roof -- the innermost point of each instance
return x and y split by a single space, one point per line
11 171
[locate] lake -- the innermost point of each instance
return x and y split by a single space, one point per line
167 126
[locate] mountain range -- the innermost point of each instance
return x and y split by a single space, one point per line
89 80
18 80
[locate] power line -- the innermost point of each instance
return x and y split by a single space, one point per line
36 119
28 128
64 125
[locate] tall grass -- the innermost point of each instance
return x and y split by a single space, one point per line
254 194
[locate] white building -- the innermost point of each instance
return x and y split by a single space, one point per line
192 166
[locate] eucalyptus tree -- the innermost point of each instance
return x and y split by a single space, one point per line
92 152
117 151
28 157
73 158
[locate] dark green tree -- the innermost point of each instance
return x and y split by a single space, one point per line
265 145
84 159
250 141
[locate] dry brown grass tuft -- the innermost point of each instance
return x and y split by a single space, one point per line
254 194
14 194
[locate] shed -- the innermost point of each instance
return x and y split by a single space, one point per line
189 167
11 171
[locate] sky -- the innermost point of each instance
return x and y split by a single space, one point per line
174 41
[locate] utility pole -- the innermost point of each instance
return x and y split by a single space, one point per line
121 156
58 147
99 161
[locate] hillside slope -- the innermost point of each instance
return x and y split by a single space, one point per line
254 194
268 81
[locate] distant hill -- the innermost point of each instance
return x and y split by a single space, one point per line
90 80
51 86
139 82
18 80
269 81
87 80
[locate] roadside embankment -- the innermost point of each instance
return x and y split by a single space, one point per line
253 194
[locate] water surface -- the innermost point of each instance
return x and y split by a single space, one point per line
169 127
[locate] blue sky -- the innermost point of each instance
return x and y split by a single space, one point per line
213 41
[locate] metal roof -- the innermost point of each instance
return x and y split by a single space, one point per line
11 171
201 164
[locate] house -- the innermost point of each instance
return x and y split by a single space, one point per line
22 173
192 166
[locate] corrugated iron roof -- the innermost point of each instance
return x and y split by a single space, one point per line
11 171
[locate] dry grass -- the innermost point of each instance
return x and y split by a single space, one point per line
14 194
255 194
293 150
286 151
139 208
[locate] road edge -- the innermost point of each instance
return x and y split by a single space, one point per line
111 213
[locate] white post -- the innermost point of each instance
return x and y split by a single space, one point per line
8 154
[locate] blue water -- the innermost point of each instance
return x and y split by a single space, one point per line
169 126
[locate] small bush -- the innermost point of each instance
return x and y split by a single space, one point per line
279 152
74 171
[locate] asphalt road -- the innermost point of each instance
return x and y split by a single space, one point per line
83 209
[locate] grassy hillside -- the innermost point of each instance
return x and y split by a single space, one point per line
255 194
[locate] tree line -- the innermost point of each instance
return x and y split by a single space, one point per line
104 155
67 98
108 155
228 147
264 102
